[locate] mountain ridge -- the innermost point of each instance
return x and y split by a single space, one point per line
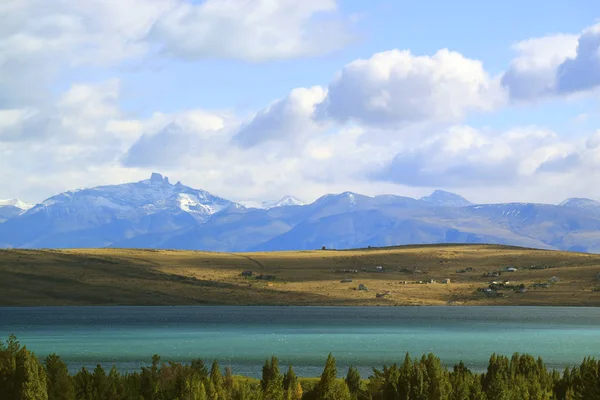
154 213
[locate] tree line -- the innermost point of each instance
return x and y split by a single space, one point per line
521 377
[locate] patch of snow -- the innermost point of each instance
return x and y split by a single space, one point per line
284 202
16 203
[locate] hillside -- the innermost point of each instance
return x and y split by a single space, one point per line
166 277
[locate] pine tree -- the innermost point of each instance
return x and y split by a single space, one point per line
198 367
100 383
193 389
8 366
327 384
58 381
30 377
267 375
296 391
272 380
289 379
228 380
115 385
353 381
215 376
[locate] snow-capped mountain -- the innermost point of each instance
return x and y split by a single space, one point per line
283 202
105 214
265 205
581 203
17 203
154 213
10 208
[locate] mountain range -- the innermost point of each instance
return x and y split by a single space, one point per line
155 213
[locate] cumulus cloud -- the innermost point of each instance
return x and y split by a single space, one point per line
555 65
582 72
80 114
256 30
41 39
464 156
62 35
288 119
533 72
397 87
169 141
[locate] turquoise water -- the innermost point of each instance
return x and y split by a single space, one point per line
243 337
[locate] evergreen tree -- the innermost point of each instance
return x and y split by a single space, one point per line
58 381
115 389
296 391
272 381
100 383
353 381
267 375
198 367
30 377
327 385
84 387
215 375
289 379
405 377
8 367
193 389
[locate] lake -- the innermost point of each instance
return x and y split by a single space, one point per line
243 337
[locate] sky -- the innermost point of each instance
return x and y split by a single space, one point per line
256 99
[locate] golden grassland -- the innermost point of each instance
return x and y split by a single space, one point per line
165 277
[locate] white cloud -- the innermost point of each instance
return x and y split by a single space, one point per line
41 39
397 87
256 30
555 65
289 119
463 156
582 72
171 140
533 72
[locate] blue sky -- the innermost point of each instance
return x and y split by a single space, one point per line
258 99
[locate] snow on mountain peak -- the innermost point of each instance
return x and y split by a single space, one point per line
580 203
14 202
283 202
134 200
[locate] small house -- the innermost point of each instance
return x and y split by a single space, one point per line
432 280
362 287
446 280
246 273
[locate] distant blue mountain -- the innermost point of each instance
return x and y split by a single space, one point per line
154 213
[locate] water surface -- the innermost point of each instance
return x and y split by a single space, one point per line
243 337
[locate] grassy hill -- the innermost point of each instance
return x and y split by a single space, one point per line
164 277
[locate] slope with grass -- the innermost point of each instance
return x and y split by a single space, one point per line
164 277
